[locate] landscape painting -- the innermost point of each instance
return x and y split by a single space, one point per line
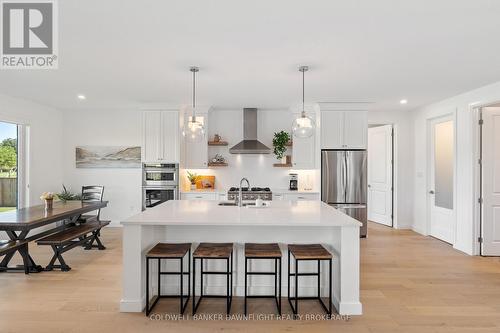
108 157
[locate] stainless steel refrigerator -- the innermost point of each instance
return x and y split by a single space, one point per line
344 184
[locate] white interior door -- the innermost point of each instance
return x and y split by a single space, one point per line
442 170
491 182
380 174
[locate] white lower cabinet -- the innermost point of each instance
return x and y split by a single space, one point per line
301 196
278 196
199 196
295 196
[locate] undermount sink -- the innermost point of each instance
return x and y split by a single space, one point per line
235 204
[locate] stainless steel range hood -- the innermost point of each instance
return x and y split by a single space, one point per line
250 144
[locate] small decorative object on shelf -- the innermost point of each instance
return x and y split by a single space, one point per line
48 197
217 141
192 177
217 160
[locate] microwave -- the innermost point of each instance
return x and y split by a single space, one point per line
160 174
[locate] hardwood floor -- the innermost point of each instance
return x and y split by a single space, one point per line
409 283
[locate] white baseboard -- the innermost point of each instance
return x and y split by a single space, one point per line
132 305
418 230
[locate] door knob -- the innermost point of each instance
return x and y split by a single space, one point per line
432 192
369 185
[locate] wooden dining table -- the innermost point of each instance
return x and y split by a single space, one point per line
21 224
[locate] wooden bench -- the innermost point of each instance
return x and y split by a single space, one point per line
84 234
10 246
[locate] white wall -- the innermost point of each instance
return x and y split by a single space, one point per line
45 143
465 202
402 122
104 128
123 128
257 168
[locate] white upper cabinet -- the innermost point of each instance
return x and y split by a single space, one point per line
355 129
170 129
303 150
344 129
332 129
196 153
160 136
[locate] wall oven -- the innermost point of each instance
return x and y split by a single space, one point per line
153 196
160 174
160 183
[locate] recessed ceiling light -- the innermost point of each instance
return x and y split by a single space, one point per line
403 101
81 97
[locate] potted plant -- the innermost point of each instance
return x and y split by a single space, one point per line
48 197
280 141
66 195
192 177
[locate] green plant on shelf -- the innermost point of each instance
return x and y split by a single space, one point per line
192 177
280 141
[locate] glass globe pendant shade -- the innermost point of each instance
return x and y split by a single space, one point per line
194 131
303 126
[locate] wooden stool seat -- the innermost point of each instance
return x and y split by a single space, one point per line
169 250
164 252
309 251
213 250
256 250
264 251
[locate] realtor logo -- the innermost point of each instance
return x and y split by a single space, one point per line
29 36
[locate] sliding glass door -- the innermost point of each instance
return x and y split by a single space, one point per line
9 148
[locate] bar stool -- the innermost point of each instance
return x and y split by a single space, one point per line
264 251
169 251
214 251
309 252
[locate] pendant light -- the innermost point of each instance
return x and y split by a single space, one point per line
303 126
194 130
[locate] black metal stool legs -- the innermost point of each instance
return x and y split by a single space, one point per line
277 282
295 304
181 273
229 282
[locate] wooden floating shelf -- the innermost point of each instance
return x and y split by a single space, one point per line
219 143
282 165
212 164
289 144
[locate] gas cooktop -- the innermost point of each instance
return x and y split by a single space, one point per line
252 189
251 193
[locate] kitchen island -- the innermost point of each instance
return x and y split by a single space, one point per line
284 222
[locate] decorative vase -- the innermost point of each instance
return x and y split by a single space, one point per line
49 204
193 186
283 159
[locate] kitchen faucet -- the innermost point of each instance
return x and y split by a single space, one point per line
240 194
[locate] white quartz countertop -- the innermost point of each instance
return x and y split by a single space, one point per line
208 212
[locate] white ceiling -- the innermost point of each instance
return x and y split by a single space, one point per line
123 53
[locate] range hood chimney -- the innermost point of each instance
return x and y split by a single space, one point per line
250 144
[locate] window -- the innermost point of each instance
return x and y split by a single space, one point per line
8 166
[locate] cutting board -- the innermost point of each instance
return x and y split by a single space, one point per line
204 182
